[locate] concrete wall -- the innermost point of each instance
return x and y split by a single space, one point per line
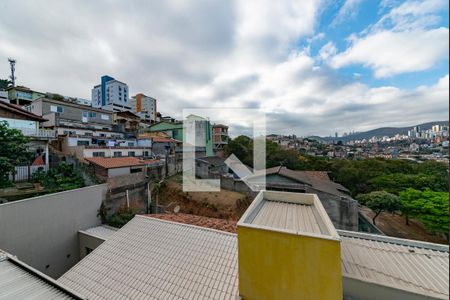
88 243
343 212
43 231
119 171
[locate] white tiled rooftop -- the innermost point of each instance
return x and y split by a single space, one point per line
24 283
418 267
155 259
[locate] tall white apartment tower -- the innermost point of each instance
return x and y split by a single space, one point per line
111 95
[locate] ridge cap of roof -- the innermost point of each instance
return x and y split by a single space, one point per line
187 225
394 240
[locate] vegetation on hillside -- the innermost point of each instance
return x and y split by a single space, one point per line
60 178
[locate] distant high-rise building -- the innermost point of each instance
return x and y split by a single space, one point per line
111 95
144 106
436 128
335 134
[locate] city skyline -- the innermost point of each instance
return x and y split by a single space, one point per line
310 66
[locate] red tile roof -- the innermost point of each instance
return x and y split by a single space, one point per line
115 162
39 161
213 223
160 139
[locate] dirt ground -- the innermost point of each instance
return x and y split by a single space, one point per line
394 225
225 204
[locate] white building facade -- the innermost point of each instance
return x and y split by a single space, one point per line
111 95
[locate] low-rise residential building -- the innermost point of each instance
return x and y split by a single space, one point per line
111 167
105 167
68 114
111 95
126 121
145 107
22 95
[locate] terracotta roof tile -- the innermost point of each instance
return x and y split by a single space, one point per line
213 223
115 162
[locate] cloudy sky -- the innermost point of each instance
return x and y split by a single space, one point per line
314 67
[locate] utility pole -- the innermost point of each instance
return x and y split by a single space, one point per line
12 63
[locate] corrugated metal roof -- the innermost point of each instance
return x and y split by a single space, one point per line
418 267
296 217
18 281
295 213
102 232
157 259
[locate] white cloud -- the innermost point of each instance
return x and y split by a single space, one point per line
348 10
217 54
328 50
389 53
403 40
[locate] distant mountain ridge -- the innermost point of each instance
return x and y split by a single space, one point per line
383 131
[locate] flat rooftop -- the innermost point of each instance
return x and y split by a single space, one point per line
293 213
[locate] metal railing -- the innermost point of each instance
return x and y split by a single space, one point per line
41 133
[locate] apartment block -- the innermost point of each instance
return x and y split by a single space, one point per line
145 107
111 95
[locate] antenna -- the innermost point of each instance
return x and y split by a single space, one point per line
12 63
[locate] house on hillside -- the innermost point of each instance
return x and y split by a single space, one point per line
29 124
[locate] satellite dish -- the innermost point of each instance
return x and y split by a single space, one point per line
176 209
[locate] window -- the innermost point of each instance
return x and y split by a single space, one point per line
117 154
92 114
98 154
55 108
88 133
82 143
135 170
85 114
104 117
131 153
145 153
102 134
130 144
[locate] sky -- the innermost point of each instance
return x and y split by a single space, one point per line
313 67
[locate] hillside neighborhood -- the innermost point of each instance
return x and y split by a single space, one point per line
227 150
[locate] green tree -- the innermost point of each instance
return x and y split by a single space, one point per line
380 201
428 206
62 177
13 151
4 83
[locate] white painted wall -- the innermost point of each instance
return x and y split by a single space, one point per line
43 231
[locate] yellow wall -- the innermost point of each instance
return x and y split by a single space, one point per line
275 265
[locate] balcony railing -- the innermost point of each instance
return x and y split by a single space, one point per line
39 133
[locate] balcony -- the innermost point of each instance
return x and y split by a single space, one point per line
38 133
